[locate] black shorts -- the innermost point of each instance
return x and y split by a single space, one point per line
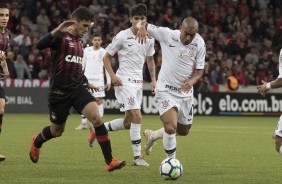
60 104
2 93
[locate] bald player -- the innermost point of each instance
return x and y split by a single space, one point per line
183 61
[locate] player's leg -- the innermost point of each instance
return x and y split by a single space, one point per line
59 111
2 105
83 124
169 120
121 93
135 129
278 136
92 114
100 104
87 106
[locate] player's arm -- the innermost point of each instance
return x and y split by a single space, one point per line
5 73
108 78
277 83
152 71
50 39
146 30
107 63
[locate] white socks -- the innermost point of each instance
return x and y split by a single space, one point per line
116 124
83 120
135 139
169 142
157 134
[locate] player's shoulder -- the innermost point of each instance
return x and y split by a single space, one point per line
199 40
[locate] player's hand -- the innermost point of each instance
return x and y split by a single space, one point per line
92 88
107 87
116 81
153 86
141 35
5 75
187 85
64 27
262 88
2 57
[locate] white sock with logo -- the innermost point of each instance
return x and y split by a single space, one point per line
135 139
116 124
169 142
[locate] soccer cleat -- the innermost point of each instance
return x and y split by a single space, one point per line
81 127
149 142
34 152
140 162
115 164
91 138
2 158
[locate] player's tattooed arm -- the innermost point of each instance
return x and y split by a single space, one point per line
188 83
152 71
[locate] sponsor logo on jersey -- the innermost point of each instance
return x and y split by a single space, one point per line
73 59
130 38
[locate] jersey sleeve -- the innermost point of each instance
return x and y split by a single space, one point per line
151 48
84 58
115 45
280 64
201 55
159 33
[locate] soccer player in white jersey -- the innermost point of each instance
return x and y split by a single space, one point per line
93 66
263 89
128 79
183 61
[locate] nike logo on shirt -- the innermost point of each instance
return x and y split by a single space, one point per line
171 45
129 45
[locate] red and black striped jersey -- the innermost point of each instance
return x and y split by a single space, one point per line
66 60
4 41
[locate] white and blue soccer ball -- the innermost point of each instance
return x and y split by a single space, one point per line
171 169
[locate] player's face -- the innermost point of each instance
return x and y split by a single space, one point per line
81 27
187 34
4 17
135 19
97 41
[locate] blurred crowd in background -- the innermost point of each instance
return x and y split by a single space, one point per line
243 37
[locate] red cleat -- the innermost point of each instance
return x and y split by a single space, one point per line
91 138
34 152
115 164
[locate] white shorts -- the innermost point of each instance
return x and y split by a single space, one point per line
184 105
128 97
278 130
100 84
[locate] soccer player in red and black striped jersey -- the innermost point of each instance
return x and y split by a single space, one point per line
67 86
4 42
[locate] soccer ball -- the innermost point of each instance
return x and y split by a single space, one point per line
171 169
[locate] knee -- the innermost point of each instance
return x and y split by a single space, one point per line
278 144
2 111
182 132
95 119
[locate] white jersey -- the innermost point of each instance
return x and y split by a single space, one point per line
280 64
178 60
131 56
93 65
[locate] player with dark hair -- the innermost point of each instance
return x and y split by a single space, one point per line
4 42
67 87
128 79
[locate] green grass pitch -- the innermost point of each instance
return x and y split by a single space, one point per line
218 150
